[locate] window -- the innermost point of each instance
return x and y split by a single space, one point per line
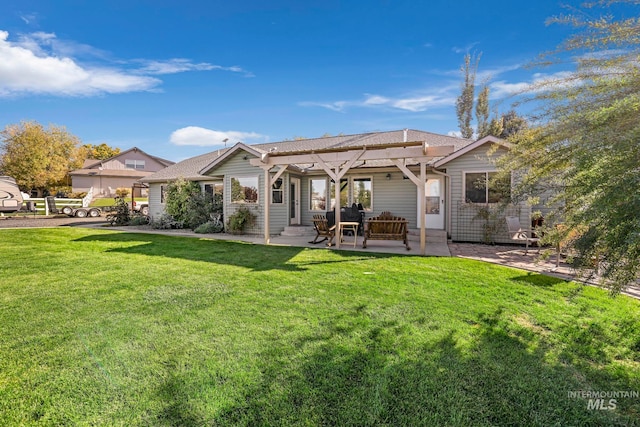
317 194
163 193
134 164
277 192
362 193
213 189
244 189
477 190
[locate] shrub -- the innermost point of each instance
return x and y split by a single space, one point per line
139 219
166 222
186 203
208 227
121 214
239 220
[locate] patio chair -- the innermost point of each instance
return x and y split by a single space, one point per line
322 228
517 233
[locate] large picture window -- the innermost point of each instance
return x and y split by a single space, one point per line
484 187
363 193
317 194
244 189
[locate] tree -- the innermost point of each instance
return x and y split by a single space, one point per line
587 147
464 102
37 157
482 113
101 151
511 124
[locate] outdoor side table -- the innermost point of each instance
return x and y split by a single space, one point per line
349 226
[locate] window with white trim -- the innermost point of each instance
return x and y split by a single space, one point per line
362 192
277 192
485 187
244 190
317 194
134 164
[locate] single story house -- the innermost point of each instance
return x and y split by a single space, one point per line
434 181
122 170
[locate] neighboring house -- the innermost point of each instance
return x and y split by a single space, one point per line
122 170
382 171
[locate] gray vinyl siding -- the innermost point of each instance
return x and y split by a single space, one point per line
156 209
238 166
476 160
397 195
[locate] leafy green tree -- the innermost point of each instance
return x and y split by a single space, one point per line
586 150
37 157
464 102
101 151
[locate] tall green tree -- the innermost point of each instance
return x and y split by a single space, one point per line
587 148
464 102
37 157
482 112
101 151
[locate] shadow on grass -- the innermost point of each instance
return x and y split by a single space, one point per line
371 374
248 255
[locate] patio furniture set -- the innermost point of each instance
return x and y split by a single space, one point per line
383 227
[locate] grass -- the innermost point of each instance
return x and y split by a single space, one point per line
109 201
106 328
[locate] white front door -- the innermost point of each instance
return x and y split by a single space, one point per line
434 199
294 201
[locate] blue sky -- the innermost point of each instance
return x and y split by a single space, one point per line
175 78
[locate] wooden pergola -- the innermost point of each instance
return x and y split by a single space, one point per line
337 162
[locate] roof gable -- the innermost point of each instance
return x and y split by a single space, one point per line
464 150
230 152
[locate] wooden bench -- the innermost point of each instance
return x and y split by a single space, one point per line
386 227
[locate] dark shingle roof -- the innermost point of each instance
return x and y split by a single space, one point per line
191 168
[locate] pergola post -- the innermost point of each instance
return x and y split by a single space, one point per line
337 196
267 203
423 207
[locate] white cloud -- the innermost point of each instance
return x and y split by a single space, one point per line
538 83
40 63
202 137
414 103
338 106
31 70
180 65
465 49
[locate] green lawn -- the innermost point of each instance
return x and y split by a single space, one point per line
107 328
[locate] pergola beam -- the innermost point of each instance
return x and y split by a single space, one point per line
419 154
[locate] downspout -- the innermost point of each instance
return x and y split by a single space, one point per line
447 204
